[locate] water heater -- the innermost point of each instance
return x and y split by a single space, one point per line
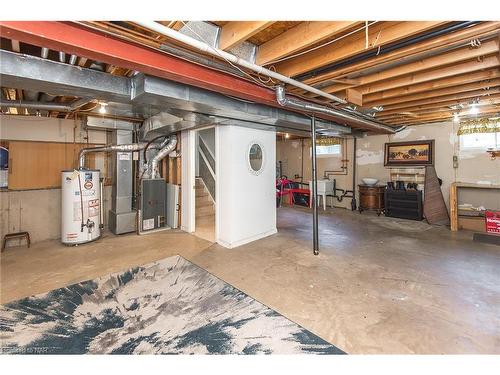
80 218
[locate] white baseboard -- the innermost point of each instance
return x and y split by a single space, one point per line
232 245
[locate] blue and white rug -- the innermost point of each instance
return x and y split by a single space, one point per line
168 307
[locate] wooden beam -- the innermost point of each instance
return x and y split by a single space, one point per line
423 110
463 95
436 93
354 96
449 103
432 85
174 25
234 33
300 37
444 72
455 39
462 54
441 117
15 46
379 34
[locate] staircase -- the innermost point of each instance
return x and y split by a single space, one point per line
205 212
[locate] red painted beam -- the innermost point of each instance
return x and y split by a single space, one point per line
74 39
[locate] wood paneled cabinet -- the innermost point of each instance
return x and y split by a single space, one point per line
38 165
371 198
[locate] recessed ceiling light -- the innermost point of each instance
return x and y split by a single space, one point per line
473 110
102 108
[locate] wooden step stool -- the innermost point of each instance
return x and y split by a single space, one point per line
11 236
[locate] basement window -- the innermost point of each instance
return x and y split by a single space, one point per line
480 134
481 141
327 151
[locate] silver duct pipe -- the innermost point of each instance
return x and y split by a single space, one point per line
125 148
115 148
35 105
62 57
155 26
316 108
169 147
46 106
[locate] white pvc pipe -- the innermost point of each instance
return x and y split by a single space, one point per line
155 26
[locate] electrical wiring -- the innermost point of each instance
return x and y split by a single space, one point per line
229 62
86 110
156 49
321 45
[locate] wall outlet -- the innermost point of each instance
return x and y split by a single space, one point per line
455 161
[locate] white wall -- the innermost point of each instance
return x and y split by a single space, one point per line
188 161
474 167
246 203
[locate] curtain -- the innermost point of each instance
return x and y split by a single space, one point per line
479 126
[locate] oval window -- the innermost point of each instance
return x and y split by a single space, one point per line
255 157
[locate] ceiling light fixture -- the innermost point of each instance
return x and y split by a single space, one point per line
473 110
287 135
456 118
102 108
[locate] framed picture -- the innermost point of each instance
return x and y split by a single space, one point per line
400 154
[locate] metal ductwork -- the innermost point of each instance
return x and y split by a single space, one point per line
167 149
206 48
145 96
341 115
115 148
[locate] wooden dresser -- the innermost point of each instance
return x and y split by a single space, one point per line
371 198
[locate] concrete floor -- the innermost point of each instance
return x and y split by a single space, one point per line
379 285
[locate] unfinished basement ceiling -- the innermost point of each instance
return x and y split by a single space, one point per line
400 73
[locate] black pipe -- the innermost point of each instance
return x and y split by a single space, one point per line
353 201
314 198
384 49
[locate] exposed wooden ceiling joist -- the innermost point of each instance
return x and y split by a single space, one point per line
234 33
453 103
378 35
441 92
454 106
15 46
456 38
456 69
437 84
175 25
300 37
485 112
450 58
442 99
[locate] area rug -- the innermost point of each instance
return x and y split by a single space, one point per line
167 307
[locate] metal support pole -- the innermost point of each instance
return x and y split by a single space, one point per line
314 198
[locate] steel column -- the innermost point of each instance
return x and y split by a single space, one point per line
314 198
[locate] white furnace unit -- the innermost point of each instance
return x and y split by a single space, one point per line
81 205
